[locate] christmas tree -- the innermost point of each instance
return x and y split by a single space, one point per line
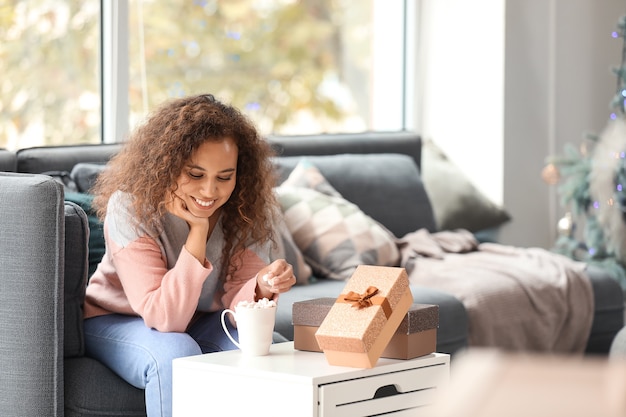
592 181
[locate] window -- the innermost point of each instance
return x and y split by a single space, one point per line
49 60
295 67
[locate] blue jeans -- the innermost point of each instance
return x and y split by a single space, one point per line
143 356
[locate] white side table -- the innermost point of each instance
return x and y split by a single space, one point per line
289 383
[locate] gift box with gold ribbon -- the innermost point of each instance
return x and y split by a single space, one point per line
365 316
416 336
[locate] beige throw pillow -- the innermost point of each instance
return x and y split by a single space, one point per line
333 234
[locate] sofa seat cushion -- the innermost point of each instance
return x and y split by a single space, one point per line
93 390
452 334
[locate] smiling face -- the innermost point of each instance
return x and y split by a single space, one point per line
209 178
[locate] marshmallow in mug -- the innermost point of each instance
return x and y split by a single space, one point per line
263 303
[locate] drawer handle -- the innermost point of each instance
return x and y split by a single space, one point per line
386 391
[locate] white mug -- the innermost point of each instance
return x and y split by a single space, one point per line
255 326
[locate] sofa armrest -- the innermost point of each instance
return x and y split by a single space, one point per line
75 278
31 295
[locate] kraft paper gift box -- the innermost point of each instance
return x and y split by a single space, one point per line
365 316
416 336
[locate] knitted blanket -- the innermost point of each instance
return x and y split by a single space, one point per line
516 298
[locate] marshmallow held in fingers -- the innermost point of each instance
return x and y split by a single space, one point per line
268 278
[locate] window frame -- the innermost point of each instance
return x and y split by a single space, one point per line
114 67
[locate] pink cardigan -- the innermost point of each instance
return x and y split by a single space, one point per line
158 279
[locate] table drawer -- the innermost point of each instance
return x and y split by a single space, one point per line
394 392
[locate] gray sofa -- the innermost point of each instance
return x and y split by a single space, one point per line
44 262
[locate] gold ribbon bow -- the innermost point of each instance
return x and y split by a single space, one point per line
367 299
361 300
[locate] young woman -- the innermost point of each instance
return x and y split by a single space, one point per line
189 219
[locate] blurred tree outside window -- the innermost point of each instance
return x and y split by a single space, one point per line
295 67
49 61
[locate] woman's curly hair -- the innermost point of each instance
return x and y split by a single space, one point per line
150 162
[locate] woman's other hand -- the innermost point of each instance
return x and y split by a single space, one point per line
275 278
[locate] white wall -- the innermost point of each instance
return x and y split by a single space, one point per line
505 83
462 63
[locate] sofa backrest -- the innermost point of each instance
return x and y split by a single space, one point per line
356 164
8 161
402 142
64 158
385 186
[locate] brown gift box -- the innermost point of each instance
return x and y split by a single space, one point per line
365 316
416 336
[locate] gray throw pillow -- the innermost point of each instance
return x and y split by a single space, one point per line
457 203
84 175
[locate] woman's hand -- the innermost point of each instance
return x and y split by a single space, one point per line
178 208
198 227
275 278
